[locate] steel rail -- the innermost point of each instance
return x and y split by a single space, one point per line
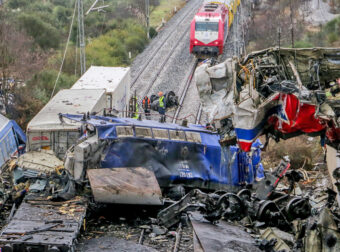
185 90
199 114
171 33
162 66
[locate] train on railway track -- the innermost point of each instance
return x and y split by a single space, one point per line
210 26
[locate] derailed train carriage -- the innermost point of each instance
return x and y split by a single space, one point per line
120 154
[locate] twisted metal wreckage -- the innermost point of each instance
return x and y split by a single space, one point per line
281 93
278 92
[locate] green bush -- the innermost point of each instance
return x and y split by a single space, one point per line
65 3
14 4
332 37
134 44
303 44
44 34
112 48
153 33
61 15
40 7
41 85
332 25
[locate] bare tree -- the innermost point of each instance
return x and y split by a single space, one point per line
19 59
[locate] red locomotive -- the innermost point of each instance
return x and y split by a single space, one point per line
209 28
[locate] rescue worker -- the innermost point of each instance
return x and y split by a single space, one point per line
146 106
161 106
136 115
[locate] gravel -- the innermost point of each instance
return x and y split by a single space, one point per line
177 46
191 104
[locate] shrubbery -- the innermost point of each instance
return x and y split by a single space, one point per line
44 34
110 36
112 49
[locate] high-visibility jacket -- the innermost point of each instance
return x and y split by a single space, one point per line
135 116
146 103
161 101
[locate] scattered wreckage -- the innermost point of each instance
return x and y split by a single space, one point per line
192 176
225 203
122 161
279 92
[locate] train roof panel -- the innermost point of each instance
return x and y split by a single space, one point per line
98 77
212 9
75 101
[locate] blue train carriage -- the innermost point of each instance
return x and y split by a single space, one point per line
177 155
12 140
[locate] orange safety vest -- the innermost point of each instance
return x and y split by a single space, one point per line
148 102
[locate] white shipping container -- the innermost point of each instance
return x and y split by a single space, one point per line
47 131
115 80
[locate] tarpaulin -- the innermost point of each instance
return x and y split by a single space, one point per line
11 138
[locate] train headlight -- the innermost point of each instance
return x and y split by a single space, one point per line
196 42
216 42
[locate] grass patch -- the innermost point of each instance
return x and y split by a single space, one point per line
164 10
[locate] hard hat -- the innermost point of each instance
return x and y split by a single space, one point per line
160 93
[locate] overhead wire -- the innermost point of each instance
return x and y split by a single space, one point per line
65 51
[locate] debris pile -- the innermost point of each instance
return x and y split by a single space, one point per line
149 186
279 92
288 210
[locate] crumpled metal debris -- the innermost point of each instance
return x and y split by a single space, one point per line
279 220
281 92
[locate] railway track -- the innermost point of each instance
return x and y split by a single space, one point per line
199 114
155 51
162 66
157 62
185 91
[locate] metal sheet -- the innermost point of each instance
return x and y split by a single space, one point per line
41 161
197 244
125 186
221 237
333 162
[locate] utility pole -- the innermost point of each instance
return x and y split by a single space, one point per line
291 22
81 33
147 17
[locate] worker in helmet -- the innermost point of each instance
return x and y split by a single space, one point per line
136 115
146 107
161 106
